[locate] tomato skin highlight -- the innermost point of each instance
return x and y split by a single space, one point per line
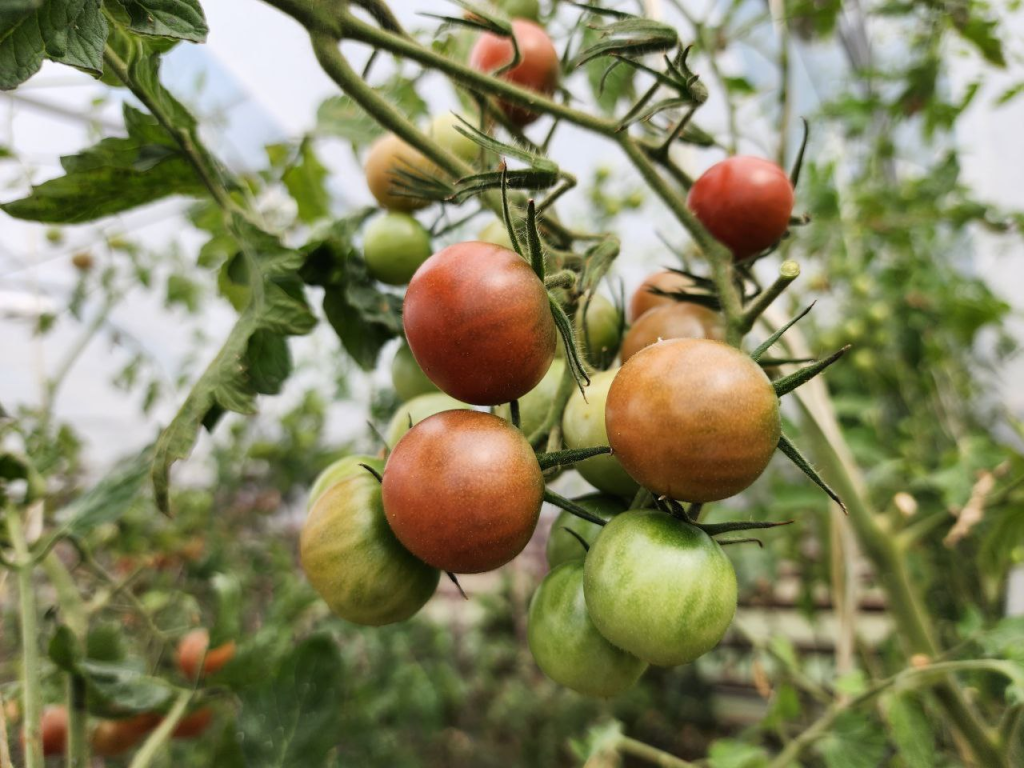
678 320
190 652
565 643
562 546
659 588
462 491
693 419
537 70
479 324
394 246
745 202
407 377
353 560
387 157
583 426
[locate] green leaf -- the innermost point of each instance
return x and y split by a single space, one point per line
853 742
981 33
179 19
228 591
116 688
291 719
276 306
911 731
64 650
305 183
110 177
108 500
341 117
71 32
731 753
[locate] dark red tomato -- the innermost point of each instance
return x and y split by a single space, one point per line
190 653
478 322
745 202
644 300
537 69
693 419
193 725
678 320
462 491
54 730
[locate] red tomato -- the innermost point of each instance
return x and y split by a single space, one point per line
190 652
479 324
194 724
462 491
745 202
115 737
54 729
537 69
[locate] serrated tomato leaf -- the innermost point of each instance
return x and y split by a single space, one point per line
179 19
70 32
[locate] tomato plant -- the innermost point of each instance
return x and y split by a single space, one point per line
354 561
745 202
583 426
538 67
715 396
394 246
659 588
565 643
462 491
478 322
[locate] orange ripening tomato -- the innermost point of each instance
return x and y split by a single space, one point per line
190 652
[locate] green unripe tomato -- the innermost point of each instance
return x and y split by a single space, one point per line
442 130
534 405
659 588
520 9
354 561
416 410
344 467
562 546
497 234
394 246
583 427
407 377
601 331
566 644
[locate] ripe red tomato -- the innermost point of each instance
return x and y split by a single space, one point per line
388 157
745 202
193 725
54 730
659 588
566 644
644 300
538 66
693 419
678 320
478 322
463 491
354 561
190 652
115 737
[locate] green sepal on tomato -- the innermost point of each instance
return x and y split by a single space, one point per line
353 560
659 588
565 643
562 546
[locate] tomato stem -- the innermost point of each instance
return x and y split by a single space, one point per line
458 586
513 408
570 456
373 472
714 529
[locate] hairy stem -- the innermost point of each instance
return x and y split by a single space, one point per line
31 695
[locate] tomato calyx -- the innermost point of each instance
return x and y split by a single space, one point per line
787 384
714 529
373 471
580 539
455 580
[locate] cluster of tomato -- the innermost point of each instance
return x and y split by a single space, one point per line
114 737
687 417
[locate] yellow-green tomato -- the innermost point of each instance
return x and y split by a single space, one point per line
339 470
602 331
534 405
407 377
354 561
563 546
496 233
394 246
566 644
442 130
416 410
659 588
583 427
